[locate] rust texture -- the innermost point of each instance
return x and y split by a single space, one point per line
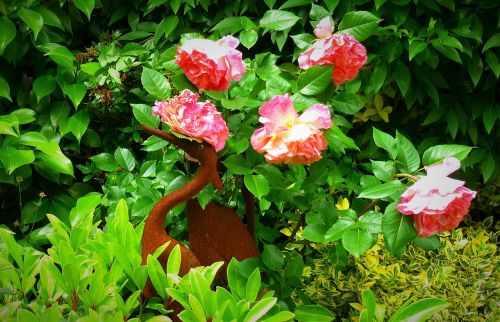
216 233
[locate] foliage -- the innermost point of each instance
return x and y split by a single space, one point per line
77 78
464 271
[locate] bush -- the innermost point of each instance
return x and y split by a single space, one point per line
464 271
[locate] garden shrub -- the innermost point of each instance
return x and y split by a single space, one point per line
464 271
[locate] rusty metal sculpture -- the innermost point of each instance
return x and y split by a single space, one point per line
216 233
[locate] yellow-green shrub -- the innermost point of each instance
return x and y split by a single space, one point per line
465 271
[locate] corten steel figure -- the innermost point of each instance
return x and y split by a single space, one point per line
215 233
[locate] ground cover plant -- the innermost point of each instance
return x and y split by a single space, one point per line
350 122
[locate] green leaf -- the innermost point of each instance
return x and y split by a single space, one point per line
347 103
8 32
237 164
402 76
79 123
398 230
357 241
61 56
383 170
281 317
248 38
272 257
76 93
475 67
32 18
316 313
494 41
493 63
144 114
386 142
420 311
382 190
43 86
407 153
157 276
105 161
488 167
438 153
314 80
371 221
278 20
416 47
360 24
13 158
257 185
253 286
337 230
260 309
449 52
369 304
125 159
427 243
49 17
314 232
85 6
174 261
490 116
155 83
6 128
378 77
53 157
4 89
90 68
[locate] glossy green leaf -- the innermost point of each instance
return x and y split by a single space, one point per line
360 24
8 32
357 241
438 153
398 230
253 286
494 41
32 18
43 86
260 309
13 158
155 83
248 38
488 166
157 276
86 6
314 80
53 157
278 20
61 56
79 123
386 142
49 17
272 257
4 89
125 159
419 311
105 161
416 47
347 103
407 153
281 317
337 230
316 313
144 114
257 184
76 93
90 68
237 164
493 62
402 76
382 190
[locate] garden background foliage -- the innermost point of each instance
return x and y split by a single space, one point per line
77 78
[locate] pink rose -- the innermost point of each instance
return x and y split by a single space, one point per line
324 28
211 65
341 50
198 120
288 138
437 202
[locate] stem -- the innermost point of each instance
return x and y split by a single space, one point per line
300 222
368 207
405 175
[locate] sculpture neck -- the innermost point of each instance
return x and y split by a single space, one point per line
158 214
